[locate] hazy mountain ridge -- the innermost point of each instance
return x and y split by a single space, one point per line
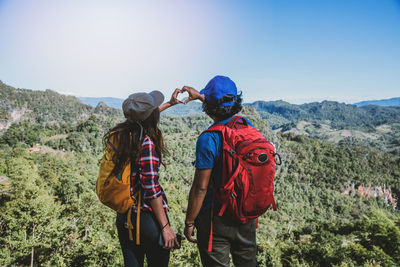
192 108
395 102
281 113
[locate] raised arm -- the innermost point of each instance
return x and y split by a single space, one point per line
172 102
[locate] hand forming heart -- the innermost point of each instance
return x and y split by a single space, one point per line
174 98
193 94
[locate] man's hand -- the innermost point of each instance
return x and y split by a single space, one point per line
196 197
174 100
193 94
189 233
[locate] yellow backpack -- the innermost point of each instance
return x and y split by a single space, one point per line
114 191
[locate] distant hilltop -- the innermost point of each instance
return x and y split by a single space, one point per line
394 102
109 101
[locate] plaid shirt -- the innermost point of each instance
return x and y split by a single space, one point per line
148 166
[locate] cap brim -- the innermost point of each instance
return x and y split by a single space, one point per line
158 97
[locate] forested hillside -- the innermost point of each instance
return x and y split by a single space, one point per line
337 114
337 204
44 107
371 126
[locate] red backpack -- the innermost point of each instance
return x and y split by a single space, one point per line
248 170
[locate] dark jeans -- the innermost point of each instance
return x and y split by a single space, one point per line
149 232
228 237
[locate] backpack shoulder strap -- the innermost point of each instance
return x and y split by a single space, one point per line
215 128
112 146
219 127
232 123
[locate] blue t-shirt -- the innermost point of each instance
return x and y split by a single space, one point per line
208 156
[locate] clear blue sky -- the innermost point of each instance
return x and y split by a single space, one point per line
299 51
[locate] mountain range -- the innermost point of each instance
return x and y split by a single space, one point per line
339 123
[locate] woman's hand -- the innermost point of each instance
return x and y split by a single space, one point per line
169 238
193 94
172 102
174 98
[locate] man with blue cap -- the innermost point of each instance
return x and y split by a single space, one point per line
217 236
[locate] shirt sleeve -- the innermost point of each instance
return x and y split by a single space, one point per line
207 150
149 164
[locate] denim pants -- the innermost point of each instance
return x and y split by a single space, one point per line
149 233
229 236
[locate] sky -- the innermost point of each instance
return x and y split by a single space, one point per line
295 50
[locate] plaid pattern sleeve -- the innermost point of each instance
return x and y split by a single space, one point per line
149 164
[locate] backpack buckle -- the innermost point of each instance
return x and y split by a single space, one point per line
277 157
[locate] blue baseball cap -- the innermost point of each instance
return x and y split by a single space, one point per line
217 88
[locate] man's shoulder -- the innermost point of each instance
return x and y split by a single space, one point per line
208 137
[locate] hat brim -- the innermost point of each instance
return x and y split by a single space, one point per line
158 98
226 104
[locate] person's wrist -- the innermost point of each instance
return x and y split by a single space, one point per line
202 98
189 223
172 103
165 227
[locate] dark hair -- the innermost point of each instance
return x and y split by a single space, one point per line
126 137
223 112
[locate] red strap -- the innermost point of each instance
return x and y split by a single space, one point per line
230 124
273 203
257 222
211 237
216 128
211 225
223 208
233 121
